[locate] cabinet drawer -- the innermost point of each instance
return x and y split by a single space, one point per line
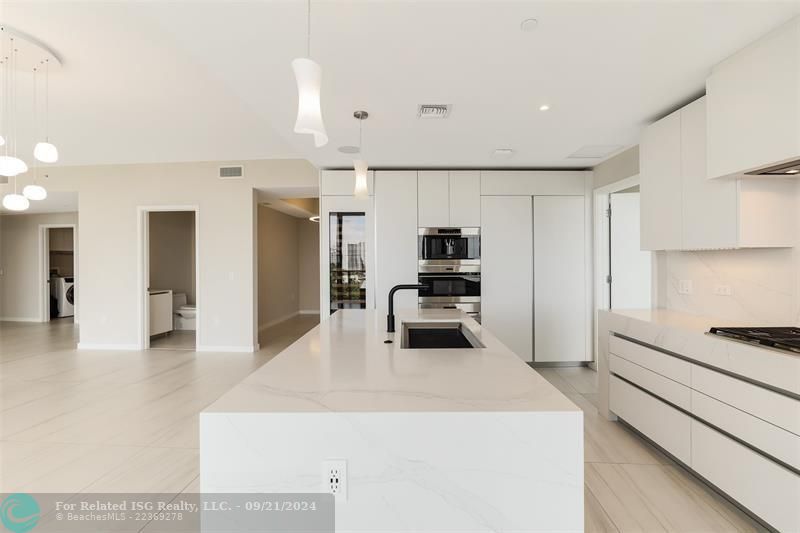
775 408
660 363
672 391
764 487
767 437
665 425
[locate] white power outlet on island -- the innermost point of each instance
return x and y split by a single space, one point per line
685 286
334 478
723 290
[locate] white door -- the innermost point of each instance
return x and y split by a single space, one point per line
434 198
559 274
465 199
396 237
630 267
506 267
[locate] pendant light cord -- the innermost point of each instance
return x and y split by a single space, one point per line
47 100
360 143
308 27
35 123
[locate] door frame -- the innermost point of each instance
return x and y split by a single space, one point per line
44 269
143 267
602 235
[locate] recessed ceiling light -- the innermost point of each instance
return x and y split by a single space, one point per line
503 153
529 25
544 107
349 149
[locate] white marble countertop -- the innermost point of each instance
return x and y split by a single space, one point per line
343 365
687 335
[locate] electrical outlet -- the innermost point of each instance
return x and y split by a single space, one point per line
723 290
685 286
334 478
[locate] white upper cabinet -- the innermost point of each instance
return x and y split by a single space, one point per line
681 210
434 198
709 208
660 182
754 107
449 199
465 198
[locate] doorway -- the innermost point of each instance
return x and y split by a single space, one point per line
169 273
58 268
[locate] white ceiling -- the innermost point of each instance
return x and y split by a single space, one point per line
181 81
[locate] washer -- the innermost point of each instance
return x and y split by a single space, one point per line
63 289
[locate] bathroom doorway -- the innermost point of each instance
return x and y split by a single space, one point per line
169 266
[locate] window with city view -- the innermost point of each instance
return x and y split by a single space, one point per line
348 261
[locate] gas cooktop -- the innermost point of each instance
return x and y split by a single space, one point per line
781 338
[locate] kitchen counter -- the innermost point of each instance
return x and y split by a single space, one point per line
435 439
687 335
343 365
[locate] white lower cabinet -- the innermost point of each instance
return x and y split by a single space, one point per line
768 489
660 422
672 391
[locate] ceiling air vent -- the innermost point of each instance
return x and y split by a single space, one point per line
433 110
595 151
231 173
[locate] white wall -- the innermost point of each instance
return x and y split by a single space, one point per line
172 252
108 233
19 261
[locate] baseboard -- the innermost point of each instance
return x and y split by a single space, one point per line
277 321
121 347
18 319
309 311
228 349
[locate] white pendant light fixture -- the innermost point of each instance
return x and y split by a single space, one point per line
308 75
359 165
45 151
15 201
34 191
11 165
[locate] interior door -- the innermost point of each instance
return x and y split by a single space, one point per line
559 274
506 266
46 273
146 278
629 266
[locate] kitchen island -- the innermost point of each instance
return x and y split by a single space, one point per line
465 439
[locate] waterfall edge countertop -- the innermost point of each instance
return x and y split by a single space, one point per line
343 365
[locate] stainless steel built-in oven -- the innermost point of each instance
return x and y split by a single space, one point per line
449 249
457 290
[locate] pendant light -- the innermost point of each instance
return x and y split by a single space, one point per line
34 191
45 151
11 165
308 75
15 201
359 165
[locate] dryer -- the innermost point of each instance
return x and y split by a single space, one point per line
63 290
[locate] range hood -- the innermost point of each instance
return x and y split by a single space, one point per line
787 170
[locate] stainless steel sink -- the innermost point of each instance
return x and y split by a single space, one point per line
437 335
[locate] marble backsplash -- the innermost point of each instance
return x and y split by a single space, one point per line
765 284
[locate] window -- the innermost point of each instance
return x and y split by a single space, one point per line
348 272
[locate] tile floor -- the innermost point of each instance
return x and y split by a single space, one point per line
95 421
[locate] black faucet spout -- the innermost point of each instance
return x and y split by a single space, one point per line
390 316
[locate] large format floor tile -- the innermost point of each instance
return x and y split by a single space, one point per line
99 421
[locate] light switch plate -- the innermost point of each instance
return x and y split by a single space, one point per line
685 286
723 290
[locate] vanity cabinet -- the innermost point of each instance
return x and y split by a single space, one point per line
682 210
449 198
753 105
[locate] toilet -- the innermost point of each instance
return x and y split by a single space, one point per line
184 314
